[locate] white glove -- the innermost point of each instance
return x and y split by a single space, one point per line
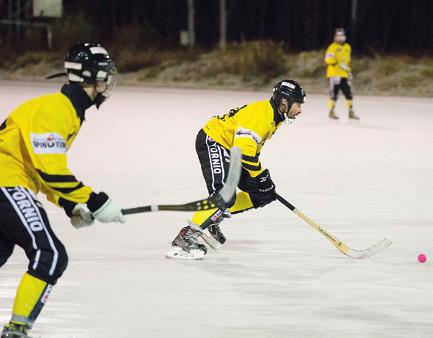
109 212
344 66
81 216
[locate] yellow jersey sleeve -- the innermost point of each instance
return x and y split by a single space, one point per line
330 56
248 141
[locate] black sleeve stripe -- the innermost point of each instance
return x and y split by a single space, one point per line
250 158
57 178
252 167
68 190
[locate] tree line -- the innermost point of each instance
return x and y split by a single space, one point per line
376 26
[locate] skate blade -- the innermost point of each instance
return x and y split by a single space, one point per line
178 253
211 241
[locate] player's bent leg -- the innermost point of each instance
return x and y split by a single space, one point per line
45 268
215 162
31 296
28 227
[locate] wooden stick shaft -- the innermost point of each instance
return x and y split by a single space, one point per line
334 240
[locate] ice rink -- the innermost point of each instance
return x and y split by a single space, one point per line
275 276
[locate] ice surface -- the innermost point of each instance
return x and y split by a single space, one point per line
275 277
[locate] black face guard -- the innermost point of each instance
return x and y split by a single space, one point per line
108 77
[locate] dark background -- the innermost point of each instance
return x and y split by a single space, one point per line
385 26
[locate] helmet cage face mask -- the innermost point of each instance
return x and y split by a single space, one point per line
110 82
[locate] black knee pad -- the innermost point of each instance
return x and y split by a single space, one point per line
5 253
49 265
62 262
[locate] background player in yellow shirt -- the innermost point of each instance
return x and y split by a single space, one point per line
339 72
248 128
34 140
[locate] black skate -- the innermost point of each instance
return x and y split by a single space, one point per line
186 245
332 114
216 238
352 115
15 331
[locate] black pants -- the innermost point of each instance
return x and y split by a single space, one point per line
214 160
337 83
24 222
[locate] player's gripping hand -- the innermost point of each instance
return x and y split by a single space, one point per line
344 67
265 183
260 188
104 209
109 212
81 216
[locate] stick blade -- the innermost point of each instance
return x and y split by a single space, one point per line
371 251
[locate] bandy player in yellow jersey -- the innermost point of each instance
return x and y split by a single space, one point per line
339 72
34 140
248 128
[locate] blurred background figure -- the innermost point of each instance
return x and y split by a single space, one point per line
339 73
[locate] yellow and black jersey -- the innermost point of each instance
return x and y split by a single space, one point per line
338 55
248 127
34 141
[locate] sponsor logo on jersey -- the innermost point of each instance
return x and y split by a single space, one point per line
242 132
48 143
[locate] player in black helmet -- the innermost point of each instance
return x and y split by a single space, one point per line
34 140
247 127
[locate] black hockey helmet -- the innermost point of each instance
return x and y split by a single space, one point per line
289 90
88 63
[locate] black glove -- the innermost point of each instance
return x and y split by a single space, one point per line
264 182
260 188
94 203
